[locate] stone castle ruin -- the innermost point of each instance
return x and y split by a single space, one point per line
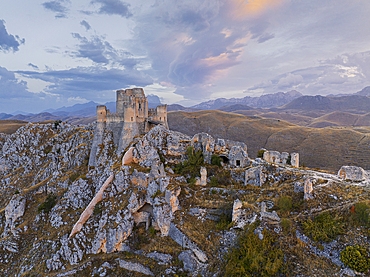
132 118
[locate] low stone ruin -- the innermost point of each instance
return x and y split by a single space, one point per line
283 158
202 181
353 173
308 189
254 176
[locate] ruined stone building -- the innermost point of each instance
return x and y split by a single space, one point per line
132 118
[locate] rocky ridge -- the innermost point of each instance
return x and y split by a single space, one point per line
150 220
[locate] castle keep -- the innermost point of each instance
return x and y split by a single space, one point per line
132 118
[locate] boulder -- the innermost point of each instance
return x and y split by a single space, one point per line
14 210
294 159
202 181
353 173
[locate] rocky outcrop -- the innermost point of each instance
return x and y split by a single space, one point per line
134 267
14 210
254 176
308 190
268 215
128 157
90 208
202 181
353 173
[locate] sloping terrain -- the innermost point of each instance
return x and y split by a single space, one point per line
154 219
326 148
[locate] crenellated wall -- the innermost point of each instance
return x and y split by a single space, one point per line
132 118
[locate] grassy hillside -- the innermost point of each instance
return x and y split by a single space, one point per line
327 148
10 126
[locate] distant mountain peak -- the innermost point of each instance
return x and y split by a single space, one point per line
264 101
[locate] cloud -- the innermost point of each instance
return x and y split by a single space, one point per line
85 24
88 82
100 51
11 87
112 7
7 41
58 7
33 66
345 73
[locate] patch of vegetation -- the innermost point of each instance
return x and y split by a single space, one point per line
286 224
260 153
285 204
73 177
16 192
356 258
255 257
48 204
362 213
97 209
56 124
224 222
216 160
152 231
289 160
325 227
158 192
192 166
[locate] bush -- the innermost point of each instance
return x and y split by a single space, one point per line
255 257
362 213
48 204
216 160
224 221
97 209
284 203
286 224
324 227
192 166
260 153
356 258
289 160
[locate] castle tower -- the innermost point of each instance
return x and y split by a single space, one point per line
132 118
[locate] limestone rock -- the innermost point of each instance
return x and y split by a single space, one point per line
254 176
202 181
164 259
236 209
353 173
189 260
134 267
90 208
308 189
270 215
128 157
14 210
184 242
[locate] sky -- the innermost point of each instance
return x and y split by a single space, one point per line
64 52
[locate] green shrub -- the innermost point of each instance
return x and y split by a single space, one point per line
216 160
224 221
16 192
48 204
213 182
362 213
152 231
286 224
97 209
255 257
284 203
324 227
260 153
356 258
192 165
73 177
